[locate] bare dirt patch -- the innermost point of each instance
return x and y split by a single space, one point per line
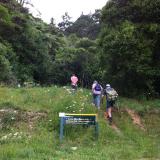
32 117
113 125
135 118
11 116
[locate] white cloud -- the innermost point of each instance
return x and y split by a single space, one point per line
57 8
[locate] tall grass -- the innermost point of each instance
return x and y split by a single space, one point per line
20 142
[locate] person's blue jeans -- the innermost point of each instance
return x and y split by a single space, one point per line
97 100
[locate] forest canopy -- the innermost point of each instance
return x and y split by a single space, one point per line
118 45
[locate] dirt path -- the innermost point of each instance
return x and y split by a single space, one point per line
113 125
135 118
116 128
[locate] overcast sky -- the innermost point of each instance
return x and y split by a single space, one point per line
57 8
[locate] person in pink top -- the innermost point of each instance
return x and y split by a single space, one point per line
74 81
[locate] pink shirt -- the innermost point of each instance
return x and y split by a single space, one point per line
74 80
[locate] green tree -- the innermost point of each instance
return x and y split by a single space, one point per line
65 23
7 58
86 26
129 45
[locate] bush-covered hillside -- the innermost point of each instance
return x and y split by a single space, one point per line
118 45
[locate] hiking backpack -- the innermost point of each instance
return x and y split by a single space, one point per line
112 95
97 87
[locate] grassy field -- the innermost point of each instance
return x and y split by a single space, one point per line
29 127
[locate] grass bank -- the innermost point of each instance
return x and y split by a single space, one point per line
29 125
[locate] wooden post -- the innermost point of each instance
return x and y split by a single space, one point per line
61 128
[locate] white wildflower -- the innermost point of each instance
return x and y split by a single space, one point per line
82 104
4 137
10 134
12 118
15 134
74 148
68 90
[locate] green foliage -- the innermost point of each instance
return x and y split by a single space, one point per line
5 20
65 23
6 60
42 53
117 11
128 58
34 43
85 26
4 15
78 56
129 44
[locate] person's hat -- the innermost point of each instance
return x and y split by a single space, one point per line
95 82
108 85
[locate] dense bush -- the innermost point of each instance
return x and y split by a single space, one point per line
129 42
126 54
